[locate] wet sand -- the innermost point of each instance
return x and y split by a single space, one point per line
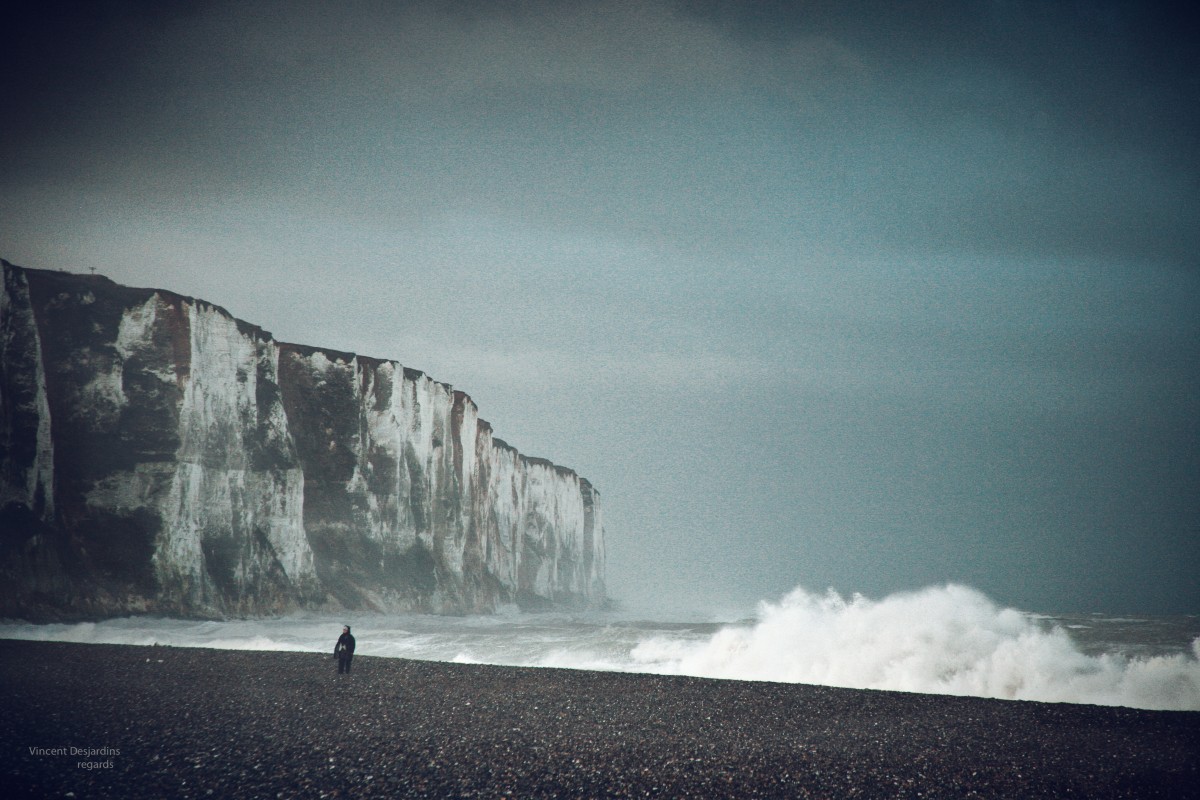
182 722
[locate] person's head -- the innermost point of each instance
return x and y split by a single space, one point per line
345 629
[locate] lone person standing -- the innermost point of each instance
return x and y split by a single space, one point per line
344 650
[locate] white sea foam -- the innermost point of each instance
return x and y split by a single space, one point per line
943 640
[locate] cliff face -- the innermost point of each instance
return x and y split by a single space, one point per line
158 455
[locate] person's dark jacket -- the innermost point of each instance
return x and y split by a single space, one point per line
345 644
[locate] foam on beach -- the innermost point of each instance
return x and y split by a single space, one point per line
940 640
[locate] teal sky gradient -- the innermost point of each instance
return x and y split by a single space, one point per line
861 295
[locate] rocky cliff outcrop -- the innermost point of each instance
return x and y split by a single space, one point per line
158 455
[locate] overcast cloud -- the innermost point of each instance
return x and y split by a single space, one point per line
869 296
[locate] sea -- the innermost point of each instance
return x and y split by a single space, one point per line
949 639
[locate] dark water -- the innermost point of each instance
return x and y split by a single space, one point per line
1131 637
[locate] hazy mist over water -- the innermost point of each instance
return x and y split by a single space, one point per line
941 640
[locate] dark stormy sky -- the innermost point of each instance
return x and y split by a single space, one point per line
857 295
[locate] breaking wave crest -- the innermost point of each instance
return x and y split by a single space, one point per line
942 640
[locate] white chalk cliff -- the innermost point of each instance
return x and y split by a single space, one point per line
158 455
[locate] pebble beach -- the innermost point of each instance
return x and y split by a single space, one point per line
93 720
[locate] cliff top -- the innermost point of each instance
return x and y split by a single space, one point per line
103 286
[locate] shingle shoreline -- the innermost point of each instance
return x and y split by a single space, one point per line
163 722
